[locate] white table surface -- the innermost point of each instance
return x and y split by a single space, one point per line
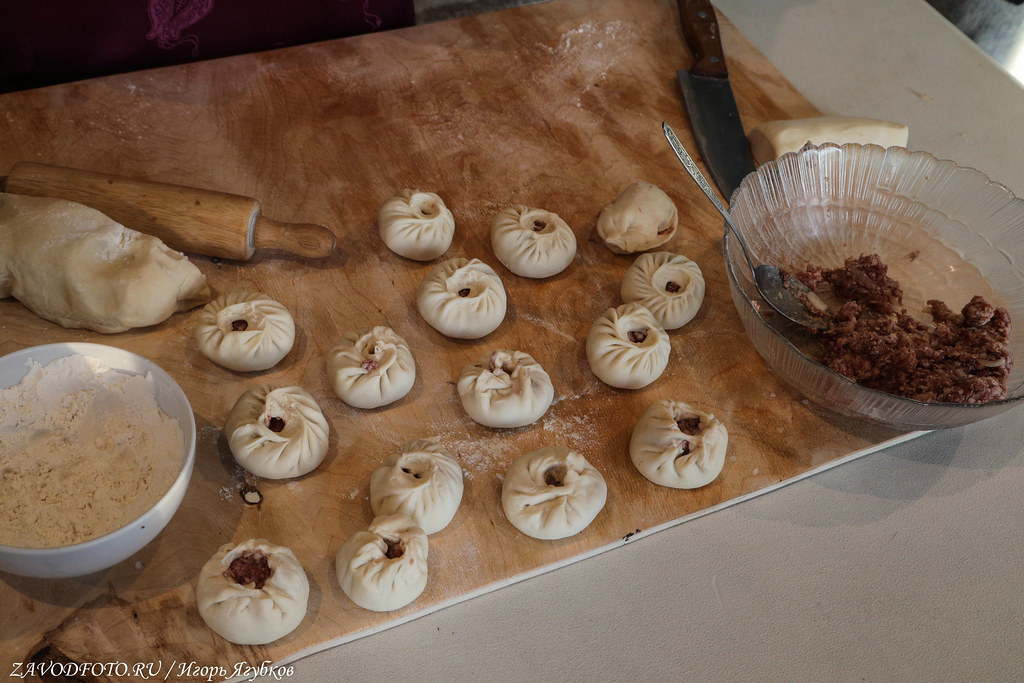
906 564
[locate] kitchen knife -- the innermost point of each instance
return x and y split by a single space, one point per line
709 101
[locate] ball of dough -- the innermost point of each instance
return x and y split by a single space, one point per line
532 242
640 218
627 347
422 481
384 567
252 593
669 285
552 492
277 433
505 389
462 299
75 266
416 225
676 445
371 367
245 331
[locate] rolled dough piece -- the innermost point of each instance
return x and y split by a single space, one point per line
772 139
532 242
252 593
421 480
245 331
505 389
462 299
675 445
640 218
277 433
384 567
416 225
669 285
72 265
552 492
371 367
627 347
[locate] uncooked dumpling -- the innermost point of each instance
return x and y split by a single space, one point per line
669 285
532 242
416 225
627 347
462 299
245 331
277 433
421 480
640 218
252 593
675 445
72 265
505 389
552 492
384 567
371 367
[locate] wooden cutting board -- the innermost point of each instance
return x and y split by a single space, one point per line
557 105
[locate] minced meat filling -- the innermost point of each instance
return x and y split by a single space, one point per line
959 358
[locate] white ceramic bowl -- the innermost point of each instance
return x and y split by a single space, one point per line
945 231
105 551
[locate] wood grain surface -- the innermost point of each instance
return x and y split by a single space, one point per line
557 105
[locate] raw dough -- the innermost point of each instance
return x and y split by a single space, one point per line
421 480
772 139
552 493
259 611
505 389
627 347
371 367
385 566
277 433
74 266
640 218
245 331
416 225
678 446
462 298
669 285
532 242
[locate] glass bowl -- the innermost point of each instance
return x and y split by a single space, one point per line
945 231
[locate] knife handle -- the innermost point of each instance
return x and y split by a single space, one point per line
700 27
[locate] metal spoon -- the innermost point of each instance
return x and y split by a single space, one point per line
788 298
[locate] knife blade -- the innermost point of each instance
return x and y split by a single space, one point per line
709 100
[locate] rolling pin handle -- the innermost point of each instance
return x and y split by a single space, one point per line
303 239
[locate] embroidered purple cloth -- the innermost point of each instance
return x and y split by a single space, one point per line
43 42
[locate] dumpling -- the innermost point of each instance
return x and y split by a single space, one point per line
252 593
505 389
384 567
669 285
371 367
675 445
416 225
640 218
277 433
245 331
462 299
552 492
532 242
627 348
421 480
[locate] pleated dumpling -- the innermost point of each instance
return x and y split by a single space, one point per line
421 480
384 567
416 225
640 218
532 242
245 331
669 285
277 433
627 347
371 367
505 389
462 298
675 445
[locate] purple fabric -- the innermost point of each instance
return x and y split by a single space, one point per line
43 42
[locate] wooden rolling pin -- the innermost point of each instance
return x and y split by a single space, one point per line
188 219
